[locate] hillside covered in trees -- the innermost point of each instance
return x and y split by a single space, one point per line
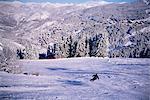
46 30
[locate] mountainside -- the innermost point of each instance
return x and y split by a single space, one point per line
76 30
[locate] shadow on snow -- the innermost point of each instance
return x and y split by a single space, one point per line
57 69
72 82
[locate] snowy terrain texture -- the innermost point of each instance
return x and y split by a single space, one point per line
69 79
110 39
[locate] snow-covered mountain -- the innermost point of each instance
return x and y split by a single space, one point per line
90 29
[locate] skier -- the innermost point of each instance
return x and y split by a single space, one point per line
95 77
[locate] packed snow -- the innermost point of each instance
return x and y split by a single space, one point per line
1 47
69 79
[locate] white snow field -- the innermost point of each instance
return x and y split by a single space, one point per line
69 79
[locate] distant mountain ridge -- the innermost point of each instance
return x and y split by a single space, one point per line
100 30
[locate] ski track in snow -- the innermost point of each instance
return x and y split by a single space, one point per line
69 79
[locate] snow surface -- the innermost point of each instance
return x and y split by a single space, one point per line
69 79
1 47
129 43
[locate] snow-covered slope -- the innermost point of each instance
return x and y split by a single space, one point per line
65 79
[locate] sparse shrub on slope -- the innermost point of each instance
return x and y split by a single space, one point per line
8 61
